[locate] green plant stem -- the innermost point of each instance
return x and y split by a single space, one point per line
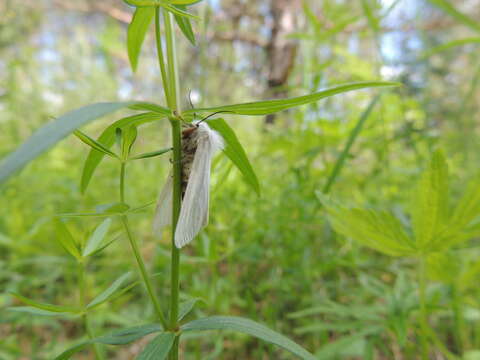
136 251
177 176
161 61
122 182
143 272
172 62
177 195
457 308
99 355
424 328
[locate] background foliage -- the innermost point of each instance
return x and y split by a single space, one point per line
267 258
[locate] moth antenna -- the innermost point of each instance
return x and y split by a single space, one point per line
190 99
213 114
191 103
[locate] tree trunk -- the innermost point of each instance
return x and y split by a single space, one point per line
281 50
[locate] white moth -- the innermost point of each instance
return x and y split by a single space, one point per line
199 144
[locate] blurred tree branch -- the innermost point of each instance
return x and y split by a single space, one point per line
110 8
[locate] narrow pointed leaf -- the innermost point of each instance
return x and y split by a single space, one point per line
96 239
93 144
37 312
44 306
129 136
117 209
112 208
142 3
373 20
178 11
151 107
333 350
120 337
448 8
235 152
464 223
109 292
183 2
249 327
151 154
351 140
66 240
379 230
67 354
158 348
51 133
185 308
273 106
468 207
429 205
185 25
126 336
104 246
107 138
449 45
141 20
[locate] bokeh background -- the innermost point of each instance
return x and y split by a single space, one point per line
264 257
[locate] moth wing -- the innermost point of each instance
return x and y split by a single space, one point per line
194 212
163 215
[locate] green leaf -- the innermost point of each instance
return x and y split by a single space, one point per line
325 326
378 230
151 154
141 20
141 207
447 7
158 348
328 307
129 136
165 4
126 336
178 11
449 45
373 21
107 138
312 17
248 327
273 106
185 25
429 207
93 144
235 152
109 292
145 106
351 140
66 240
463 224
333 350
95 240
44 306
115 209
37 312
67 354
184 2
120 337
51 133
104 246
185 308
468 208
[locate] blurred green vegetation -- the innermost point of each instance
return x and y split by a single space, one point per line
261 257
